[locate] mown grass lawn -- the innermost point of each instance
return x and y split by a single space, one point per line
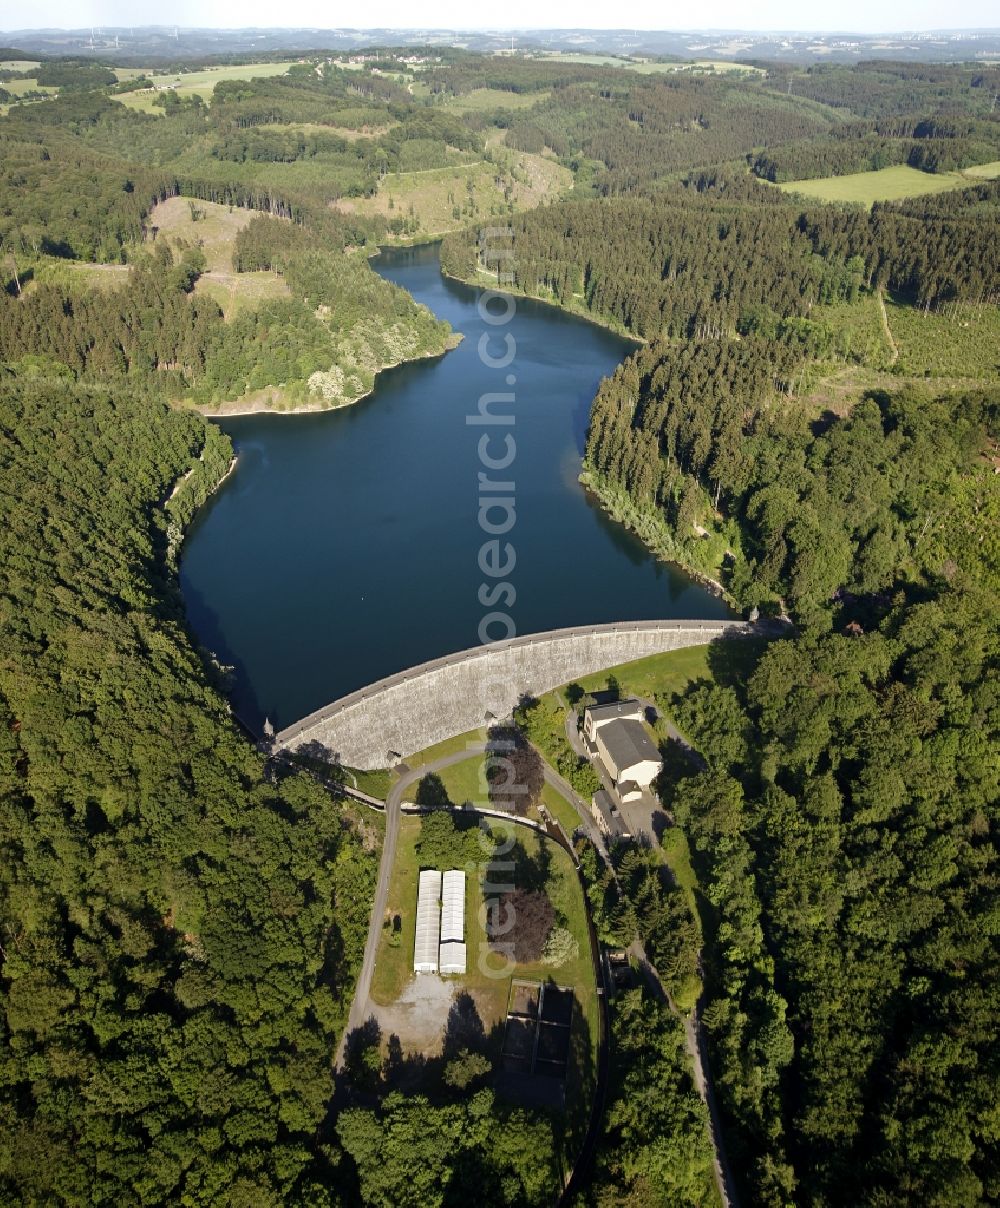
562 810
465 783
449 746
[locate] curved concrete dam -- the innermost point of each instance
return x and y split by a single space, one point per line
378 725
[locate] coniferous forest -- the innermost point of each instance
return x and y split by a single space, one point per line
809 421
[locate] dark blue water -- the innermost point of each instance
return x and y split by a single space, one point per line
344 547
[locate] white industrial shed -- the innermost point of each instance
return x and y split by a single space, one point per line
428 931
453 906
453 957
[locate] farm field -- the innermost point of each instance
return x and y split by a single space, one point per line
650 67
698 65
591 60
199 83
21 87
888 184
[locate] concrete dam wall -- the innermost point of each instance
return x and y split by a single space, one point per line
383 723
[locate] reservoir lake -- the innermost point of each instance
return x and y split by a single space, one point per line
345 546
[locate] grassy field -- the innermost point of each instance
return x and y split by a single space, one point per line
198 83
560 809
376 783
78 274
698 66
590 60
485 100
857 330
351 136
215 231
949 350
460 742
20 87
669 672
647 67
888 184
465 783
432 197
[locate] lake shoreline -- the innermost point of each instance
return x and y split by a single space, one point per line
329 593
606 502
590 486
451 343
583 315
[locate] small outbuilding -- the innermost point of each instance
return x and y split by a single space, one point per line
453 957
608 816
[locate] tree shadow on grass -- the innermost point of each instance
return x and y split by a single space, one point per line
732 661
431 792
512 867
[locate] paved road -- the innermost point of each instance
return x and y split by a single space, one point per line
694 1040
359 1007
694 1043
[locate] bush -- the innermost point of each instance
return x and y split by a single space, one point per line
560 948
521 924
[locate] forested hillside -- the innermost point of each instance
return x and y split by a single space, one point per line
846 846
179 930
709 441
813 421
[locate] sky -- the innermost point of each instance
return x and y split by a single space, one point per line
860 16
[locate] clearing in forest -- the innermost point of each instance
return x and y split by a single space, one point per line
214 228
197 83
889 184
445 199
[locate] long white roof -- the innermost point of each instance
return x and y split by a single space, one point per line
428 926
453 906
